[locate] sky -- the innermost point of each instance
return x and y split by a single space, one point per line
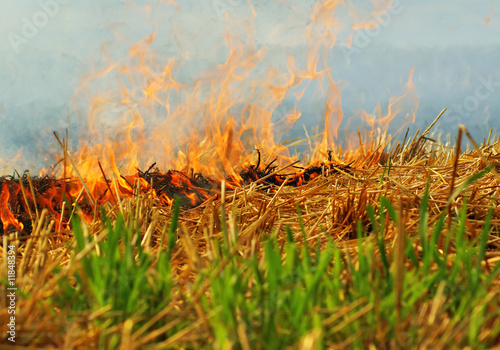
48 48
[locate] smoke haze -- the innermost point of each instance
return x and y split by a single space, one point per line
48 49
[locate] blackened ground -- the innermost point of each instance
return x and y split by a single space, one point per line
192 190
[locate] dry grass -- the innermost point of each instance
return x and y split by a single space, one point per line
331 207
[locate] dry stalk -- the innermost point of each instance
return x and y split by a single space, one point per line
26 200
33 195
91 198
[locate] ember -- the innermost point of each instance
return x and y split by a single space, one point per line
192 190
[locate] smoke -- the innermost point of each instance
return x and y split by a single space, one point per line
49 50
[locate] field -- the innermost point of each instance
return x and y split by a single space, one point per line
397 250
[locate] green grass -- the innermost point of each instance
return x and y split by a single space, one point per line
291 293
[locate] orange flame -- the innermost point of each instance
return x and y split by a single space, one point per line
488 19
214 123
5 214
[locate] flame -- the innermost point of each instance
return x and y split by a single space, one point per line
488 19
6 215
214 123
141 110
406 102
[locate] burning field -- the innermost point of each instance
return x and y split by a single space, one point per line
193 214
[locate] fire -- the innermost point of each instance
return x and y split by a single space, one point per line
214 123
6 215
142 111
